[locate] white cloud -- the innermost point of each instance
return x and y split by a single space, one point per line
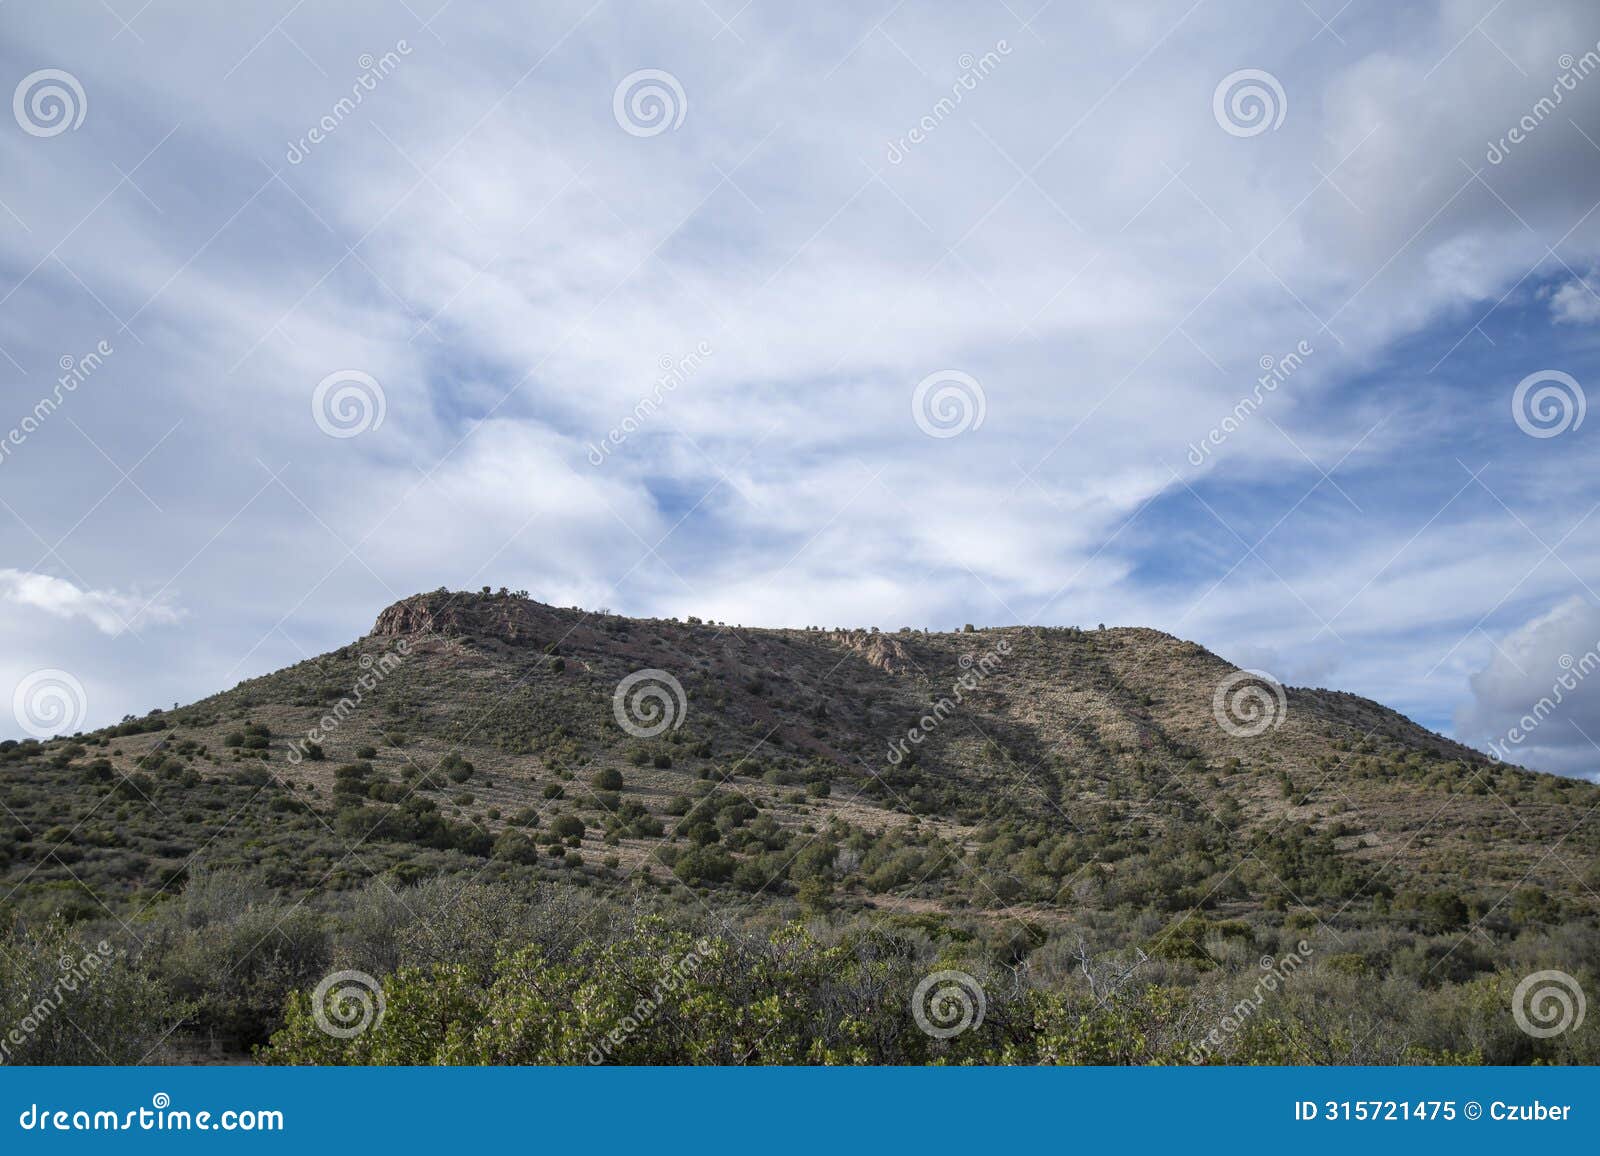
110 612
1577 302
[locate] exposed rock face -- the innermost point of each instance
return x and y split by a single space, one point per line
507 617
880 650
411 615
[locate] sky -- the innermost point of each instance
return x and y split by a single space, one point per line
1268 325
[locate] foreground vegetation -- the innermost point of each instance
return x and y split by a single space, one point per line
474 973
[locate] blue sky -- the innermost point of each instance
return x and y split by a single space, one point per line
1095 240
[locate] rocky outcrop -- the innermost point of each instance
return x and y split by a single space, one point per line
509 617
883 651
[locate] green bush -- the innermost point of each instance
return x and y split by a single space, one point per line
515 847
68 999
455 768
567 827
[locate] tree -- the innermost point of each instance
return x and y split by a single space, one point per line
1106 981
815 896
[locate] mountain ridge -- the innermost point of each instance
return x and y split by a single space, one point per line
1055 769
1081 731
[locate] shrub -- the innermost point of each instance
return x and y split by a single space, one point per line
515 847
704 866
115 1012
567 827
1441 912
351 779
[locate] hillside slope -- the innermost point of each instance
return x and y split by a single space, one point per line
1010 772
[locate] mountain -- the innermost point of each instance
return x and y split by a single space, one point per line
1009 769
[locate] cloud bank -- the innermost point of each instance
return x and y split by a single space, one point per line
497 229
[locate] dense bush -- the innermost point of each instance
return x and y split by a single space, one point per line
660 996
53 980
492 972
567 827
456 768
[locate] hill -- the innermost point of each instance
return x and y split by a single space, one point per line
1020 785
